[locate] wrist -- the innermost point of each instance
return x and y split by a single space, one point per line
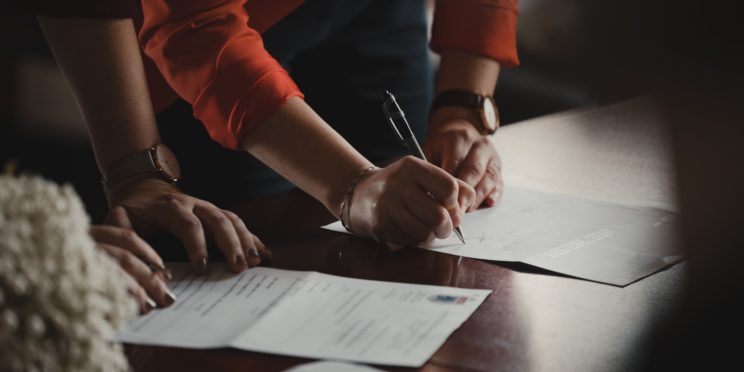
345 208
451 117
336 200
138 186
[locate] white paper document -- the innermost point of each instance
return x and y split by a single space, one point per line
307 314
599 241
331 366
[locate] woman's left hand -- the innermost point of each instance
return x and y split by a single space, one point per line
456 145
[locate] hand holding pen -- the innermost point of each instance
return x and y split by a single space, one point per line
397 119
407 202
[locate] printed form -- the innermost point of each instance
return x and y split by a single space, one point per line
307 314
599 241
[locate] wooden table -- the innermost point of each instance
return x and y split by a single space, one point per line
534 320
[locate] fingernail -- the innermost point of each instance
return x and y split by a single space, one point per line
170 298
254 252
167 274
201 265
150 304
239 260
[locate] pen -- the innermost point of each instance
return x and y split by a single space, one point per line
398 122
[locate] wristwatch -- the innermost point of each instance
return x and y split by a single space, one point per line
157 161
484 106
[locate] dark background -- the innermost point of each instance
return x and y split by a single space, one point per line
575 53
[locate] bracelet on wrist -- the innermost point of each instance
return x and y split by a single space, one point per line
345 215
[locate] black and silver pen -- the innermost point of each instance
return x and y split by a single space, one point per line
398 122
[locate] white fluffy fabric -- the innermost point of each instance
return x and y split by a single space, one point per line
61 299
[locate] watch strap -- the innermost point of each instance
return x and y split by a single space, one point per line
457 98
157 161
471 100
142 162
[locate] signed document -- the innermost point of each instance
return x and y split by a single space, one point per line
599 241
306 314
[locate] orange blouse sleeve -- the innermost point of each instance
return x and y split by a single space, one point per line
209 55
484 27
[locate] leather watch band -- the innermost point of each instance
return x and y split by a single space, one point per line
137 163
457 98
157 161
483 105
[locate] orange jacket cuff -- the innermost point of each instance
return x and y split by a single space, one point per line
214 60
227 119
482 27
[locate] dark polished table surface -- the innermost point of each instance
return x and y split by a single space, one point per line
533 321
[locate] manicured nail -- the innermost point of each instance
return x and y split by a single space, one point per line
167 274
150 304
239 260
170 298
202 265
254 252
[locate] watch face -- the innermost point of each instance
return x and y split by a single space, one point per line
490 115
167 162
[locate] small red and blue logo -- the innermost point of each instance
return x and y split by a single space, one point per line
448 299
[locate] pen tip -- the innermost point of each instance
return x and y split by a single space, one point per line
458 232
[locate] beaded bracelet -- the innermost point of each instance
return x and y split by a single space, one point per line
346 202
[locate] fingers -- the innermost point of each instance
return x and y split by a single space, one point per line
151 290
406 227
222 230
190 219
429 212
466 196
145 303
179 220
481 169
454 154
413 202
129 240
252 247
118 217
433 180
495 195
487 185
474 166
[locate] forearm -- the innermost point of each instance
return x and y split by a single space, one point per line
300 146
101 61
464 71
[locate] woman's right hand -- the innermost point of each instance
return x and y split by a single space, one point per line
132 253
151 205
409 202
